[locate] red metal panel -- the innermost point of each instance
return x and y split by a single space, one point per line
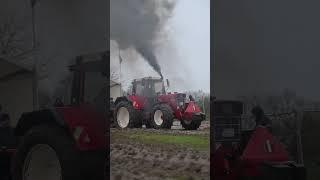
138 102
257 148
92 123
190 110
262 147
169 99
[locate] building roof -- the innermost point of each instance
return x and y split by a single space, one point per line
24 60
113 83
149 78
8 68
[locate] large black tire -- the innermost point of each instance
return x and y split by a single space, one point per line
71 160
193 125
135 117
167 117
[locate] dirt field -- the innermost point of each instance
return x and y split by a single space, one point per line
160 154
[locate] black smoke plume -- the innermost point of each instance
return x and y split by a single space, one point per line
138 24
152 60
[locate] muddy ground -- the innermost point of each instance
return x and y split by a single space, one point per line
135 155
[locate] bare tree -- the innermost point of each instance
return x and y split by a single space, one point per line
114 76
12 41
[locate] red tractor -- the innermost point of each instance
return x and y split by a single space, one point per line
254 154
149 104
66 141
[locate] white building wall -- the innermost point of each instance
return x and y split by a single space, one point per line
16 96
115 91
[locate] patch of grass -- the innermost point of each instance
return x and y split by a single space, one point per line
192 141
197 142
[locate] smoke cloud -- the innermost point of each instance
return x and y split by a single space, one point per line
64 31
152 60
139 24
265 47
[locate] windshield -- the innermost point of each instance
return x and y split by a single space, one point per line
139 88
158 87
148 88
95 89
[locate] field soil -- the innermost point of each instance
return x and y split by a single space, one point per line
160 154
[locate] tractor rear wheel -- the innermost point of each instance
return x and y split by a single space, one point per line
126 116
162 117
192 124
48 152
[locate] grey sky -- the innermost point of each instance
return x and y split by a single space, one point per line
192 36
263 47
185 56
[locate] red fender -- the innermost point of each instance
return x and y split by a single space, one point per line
86 126
191 109
262 147
138 102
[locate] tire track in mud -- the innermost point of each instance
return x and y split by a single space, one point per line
133 160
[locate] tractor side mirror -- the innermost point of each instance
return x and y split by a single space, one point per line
168 83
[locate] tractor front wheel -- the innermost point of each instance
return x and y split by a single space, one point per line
162 117
192 124
126 116
47 152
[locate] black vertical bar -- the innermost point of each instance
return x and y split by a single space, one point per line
76 85
108 119
212 95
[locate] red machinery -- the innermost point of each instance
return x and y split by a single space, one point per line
149 104
67 141
252 154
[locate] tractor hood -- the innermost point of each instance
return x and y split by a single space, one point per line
176 94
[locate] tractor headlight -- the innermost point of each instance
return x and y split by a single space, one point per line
77 132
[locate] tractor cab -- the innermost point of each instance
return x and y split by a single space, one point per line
146 90
89 84
148 87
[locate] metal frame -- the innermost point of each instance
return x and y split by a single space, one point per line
224 125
